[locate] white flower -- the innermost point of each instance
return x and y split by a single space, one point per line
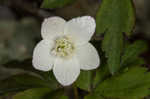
65 48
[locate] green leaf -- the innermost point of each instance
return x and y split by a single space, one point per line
27 65
134 62
114 17
130 84
35 93
57 94
115 14
132 51
51 80
112 46
24 65
96 96
64 97
101 74
84 80
21 82
55 3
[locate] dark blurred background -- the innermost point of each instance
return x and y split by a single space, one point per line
20 23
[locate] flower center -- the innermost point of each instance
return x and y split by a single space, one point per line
63 47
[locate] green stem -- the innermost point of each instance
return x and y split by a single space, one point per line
75 91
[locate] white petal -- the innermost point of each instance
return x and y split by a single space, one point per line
42 59
81 28
88 57
52 27
66 71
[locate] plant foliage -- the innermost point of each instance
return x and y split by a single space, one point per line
121 75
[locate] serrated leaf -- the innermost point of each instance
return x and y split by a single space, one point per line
55 3
35 93
131 84
84 81
21 82
132 51
112 46
115 14
114 17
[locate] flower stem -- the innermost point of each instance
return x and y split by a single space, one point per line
75 91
